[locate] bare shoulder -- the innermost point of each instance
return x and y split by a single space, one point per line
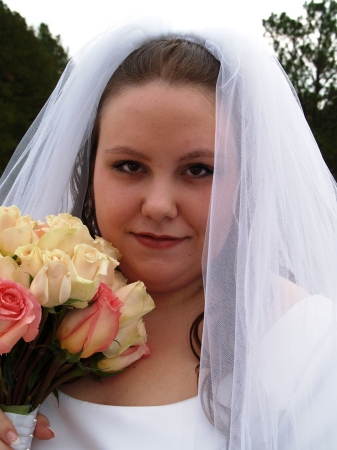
289 292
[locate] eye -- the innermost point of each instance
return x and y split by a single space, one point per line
128 167
198 170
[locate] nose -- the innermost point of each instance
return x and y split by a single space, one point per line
160 201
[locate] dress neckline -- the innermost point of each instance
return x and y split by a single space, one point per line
69 399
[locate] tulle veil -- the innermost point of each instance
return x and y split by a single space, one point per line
268 374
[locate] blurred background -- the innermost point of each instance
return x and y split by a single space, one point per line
37 38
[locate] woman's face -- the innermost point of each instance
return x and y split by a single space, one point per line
153 179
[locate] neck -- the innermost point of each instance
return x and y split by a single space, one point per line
175 310
185 297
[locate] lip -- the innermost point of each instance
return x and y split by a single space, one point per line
158 241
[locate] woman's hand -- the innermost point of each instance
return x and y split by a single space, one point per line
8 434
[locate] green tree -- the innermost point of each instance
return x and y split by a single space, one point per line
307 49
30 66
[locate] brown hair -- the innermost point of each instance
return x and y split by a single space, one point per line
173 61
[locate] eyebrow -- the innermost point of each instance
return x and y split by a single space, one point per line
126 150
197 154
119 149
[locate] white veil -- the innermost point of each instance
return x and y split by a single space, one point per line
268 374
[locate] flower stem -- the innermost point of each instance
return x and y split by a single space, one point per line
41 395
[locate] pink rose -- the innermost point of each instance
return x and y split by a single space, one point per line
93 328
20 314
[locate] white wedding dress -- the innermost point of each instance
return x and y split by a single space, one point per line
308 330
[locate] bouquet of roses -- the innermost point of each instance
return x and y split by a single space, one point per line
64 310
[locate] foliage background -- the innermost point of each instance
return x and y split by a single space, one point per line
31 62
307 49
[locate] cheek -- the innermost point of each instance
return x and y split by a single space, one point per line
199 210
114 208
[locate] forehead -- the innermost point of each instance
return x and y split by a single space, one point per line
153 93
159 114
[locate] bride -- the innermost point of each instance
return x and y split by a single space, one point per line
190 153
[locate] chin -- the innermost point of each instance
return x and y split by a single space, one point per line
161 281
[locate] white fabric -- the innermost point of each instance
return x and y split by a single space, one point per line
271 235
87 426
308 329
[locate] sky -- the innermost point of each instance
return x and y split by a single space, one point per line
78 21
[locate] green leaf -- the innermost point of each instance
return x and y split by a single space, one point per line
30 279
70 301
95 359
73 358
56 393
52 310
24 410
55 349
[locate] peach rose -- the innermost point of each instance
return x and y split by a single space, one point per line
20 314
92 329
40 229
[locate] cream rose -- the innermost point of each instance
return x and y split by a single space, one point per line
8 267
31 263
63 220
65 239
119 363
89 262
117 281
104 246
25 221
131 335
8 217
12 238
91 265
52 284
136 302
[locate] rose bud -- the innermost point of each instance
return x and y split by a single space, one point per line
92 329
8 217
131 355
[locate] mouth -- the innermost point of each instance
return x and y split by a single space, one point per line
158 241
